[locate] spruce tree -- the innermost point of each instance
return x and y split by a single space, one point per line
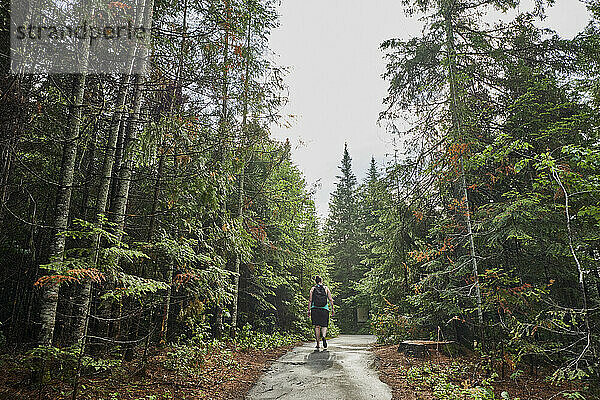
368 199
342 230
368 205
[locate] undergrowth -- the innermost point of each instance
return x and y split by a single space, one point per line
439 382
190 355
442 382
247 339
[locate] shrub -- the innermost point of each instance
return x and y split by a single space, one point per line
188 359
62 363
247 339
391 327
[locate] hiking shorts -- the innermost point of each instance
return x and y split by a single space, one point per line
319 317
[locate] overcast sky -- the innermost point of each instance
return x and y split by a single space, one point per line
335 84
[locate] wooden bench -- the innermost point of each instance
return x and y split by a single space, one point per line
420 348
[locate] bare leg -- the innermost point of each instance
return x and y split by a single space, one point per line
324 331
318 334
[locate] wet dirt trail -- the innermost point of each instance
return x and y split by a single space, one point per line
343 371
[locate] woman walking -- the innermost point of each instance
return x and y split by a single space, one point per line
319 303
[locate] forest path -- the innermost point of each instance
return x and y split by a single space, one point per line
343 371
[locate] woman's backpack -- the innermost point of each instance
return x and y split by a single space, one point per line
319 296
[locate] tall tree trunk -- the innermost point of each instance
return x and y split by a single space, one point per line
89 175
472 247
457 131
122 187
597 272
129 147
236 268
117 163
222 136
112 144
83 296
241 177
173 106
170 265
63 203
121 195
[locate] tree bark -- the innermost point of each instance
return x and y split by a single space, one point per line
90 166
83 296
129 146
63 202
116 164
597 271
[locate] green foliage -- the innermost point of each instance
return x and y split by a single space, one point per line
87 234
390 326
188 358
507 118
286 246
61 363
188 355
573 395
342 230
133 286
505 115
82 262
440 382
194 192
247 339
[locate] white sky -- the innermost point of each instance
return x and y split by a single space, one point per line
335 84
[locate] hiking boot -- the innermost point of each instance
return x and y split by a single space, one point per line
324 343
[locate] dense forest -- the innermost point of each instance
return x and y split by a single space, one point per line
484 227
155 209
